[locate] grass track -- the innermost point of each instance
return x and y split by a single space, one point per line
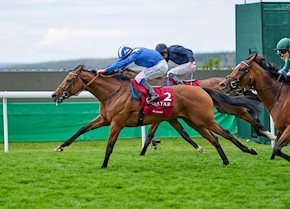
32 175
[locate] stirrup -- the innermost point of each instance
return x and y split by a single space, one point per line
152 99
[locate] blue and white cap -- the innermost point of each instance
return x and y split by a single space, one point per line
124 51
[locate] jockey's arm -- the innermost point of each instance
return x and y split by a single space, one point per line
121 63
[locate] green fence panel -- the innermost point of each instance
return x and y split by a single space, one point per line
47 122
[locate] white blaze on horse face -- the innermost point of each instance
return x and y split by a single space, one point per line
56 103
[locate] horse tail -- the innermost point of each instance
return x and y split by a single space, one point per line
220 99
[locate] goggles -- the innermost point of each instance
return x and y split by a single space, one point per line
282 51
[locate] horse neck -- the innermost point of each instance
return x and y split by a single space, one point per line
102 87
266 86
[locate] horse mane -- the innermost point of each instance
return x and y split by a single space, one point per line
267 66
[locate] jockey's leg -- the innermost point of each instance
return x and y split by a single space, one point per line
179 71
175 79
156 71
153 95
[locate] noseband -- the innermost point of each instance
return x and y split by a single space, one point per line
66 94
235 83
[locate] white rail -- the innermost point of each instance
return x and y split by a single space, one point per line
35 94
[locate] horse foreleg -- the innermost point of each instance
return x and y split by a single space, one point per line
274 151
96 123
114 133
282 141
249 117
150 135
258 127
178 127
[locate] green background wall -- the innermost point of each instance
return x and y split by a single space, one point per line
48 122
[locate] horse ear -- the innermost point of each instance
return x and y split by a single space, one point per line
79 68
252 57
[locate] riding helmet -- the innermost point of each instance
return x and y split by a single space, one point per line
124 51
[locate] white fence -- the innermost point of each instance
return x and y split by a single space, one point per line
38 95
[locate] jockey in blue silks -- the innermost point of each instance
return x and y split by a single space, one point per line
155 66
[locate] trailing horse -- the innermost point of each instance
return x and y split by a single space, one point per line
274 93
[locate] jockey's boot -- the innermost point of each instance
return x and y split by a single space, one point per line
175 79
153 95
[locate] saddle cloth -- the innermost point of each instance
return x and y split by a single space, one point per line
164 105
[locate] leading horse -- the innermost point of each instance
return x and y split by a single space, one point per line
119 109
255 72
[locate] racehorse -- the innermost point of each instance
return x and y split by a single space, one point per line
119 109
214 83
274 93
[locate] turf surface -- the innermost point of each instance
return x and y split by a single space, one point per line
32 175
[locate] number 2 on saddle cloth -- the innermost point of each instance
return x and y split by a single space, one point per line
164 105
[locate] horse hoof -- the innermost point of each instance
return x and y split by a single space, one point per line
226 162
272 157
200 150
253 152
59 149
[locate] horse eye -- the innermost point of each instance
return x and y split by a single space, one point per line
241 69
69 81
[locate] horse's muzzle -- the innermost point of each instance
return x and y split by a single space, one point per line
57 98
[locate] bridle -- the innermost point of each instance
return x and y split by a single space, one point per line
236 81
66 94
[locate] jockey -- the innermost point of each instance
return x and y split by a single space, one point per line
283 50
179 55
154 63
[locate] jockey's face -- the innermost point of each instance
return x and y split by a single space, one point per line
165 54
284 54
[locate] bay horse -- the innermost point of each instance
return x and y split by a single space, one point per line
214 83
257 73
118 109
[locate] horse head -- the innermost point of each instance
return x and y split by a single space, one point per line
240 76
71 85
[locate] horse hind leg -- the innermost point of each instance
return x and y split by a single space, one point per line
214 141
227 135
205 133
150 135
178 127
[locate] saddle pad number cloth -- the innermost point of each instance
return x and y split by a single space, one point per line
164 105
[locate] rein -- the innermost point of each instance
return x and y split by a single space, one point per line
85 86
276 98
249 66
